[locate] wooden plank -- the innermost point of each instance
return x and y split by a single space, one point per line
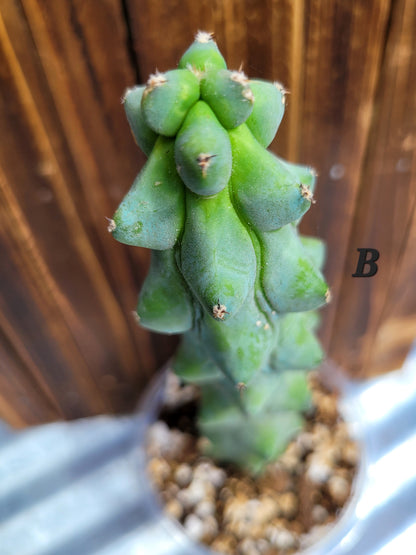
376 319
51 222
342 55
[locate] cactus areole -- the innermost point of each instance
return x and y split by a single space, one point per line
229 268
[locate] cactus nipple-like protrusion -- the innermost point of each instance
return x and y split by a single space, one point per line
155 80
239 77
307 193
204 37
204 161
219 311
283 91
111 225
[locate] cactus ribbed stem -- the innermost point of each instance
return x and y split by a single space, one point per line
229 268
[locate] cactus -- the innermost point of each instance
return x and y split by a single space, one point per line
229 268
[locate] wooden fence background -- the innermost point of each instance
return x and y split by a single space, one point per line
69 346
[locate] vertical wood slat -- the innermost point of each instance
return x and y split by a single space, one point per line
374 332
89 335
343 50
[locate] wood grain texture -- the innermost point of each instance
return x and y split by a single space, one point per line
374 332
68 160
69 346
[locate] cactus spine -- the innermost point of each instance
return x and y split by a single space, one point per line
229 268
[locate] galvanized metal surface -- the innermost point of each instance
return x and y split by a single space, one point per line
80 488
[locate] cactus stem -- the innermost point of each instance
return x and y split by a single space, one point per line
219 311
204 161
111 225
307 193
204 36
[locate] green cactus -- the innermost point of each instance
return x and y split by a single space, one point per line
229 268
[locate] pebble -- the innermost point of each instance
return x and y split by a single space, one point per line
339 489
237 515
175 394
163 442
225 543
194 527
211 473
205 508
319 514
174 509
350 453
318 469
159 470
183 475
288 505
198 490
281 538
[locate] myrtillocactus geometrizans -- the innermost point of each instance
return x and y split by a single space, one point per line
229 269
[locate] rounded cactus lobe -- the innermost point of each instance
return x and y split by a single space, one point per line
217 257
267 194
167 99
297 348
144 136
192 362
152 213
290 280
241 345
315 248
203 54
165 304
229 95
276 392
303 174
203 151
252 442
268 110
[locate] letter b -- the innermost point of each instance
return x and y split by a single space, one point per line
364 261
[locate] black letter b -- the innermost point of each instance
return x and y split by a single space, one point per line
362 262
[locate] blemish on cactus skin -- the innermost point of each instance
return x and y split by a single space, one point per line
111 225
204 161
219 311
328 296
307 193
241 387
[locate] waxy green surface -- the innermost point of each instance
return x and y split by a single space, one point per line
229 268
